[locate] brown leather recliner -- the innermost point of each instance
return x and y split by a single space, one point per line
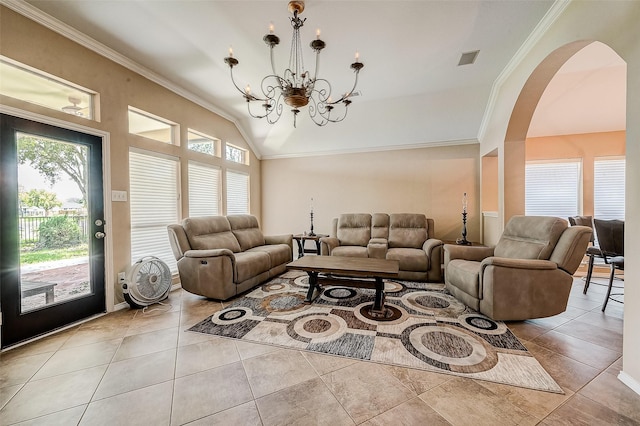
528 274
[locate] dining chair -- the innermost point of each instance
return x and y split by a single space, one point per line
610 235
593 251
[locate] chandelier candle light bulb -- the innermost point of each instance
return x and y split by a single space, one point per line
295 86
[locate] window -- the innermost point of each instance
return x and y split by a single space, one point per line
153 196
608 188
201 143
144 124
28 84
204 190
235 154
552 188
237 193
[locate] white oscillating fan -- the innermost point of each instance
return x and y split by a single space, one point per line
147 281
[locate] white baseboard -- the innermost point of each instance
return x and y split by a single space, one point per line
633 384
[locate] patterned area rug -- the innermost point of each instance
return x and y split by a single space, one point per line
427 329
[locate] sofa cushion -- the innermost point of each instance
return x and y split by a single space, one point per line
250 264
465 275
530 237
407 230
354 229
350 251
410 259
210 232
247 231
278 253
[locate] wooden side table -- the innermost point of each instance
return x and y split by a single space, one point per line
301 239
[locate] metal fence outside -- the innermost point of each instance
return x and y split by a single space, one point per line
30 225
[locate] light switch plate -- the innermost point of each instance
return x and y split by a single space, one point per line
118 195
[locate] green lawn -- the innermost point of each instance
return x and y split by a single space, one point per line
29 256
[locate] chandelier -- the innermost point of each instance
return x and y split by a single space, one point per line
296 87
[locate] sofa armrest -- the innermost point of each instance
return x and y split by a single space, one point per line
209 253
432 244
377 248
530 264
475 253
279 239
327 244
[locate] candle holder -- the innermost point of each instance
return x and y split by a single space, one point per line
312 234
463 241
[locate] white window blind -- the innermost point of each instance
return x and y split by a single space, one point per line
237 193
552 189
153 200
608 188
204 190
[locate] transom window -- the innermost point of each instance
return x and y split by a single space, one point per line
201 143
31 85
147 125
235 154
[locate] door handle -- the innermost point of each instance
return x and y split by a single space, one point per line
100 235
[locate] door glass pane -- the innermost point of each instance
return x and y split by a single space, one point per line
53 221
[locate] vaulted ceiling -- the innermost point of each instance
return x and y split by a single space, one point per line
412 91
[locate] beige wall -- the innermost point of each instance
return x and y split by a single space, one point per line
29 43
429 181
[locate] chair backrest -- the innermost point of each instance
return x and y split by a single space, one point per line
408 230
354 229
610 236
530 237
583 221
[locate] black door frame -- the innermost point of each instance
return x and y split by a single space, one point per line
17 326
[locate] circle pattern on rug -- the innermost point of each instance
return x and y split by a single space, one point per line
277 286
393 287
428 302
284 303
338 293
392 313
481 324
231 316
317 328
361 312
449 347
302 281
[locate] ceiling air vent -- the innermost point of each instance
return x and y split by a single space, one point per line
468 58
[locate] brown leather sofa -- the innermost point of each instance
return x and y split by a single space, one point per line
528 274
222 256
406 237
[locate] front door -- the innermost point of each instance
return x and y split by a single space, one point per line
51 228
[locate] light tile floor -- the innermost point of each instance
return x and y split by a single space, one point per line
130 368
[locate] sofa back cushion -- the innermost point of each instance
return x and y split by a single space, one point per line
354 229
530 237
380 226
407 230
210 232
247 231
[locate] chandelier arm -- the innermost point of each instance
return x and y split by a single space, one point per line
273 65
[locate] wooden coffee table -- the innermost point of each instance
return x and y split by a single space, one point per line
351 267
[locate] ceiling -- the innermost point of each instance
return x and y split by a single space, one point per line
413 93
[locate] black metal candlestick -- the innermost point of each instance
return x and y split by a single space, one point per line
463 241
312 234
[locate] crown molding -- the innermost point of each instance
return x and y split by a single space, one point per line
48 21
547 20
373 149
